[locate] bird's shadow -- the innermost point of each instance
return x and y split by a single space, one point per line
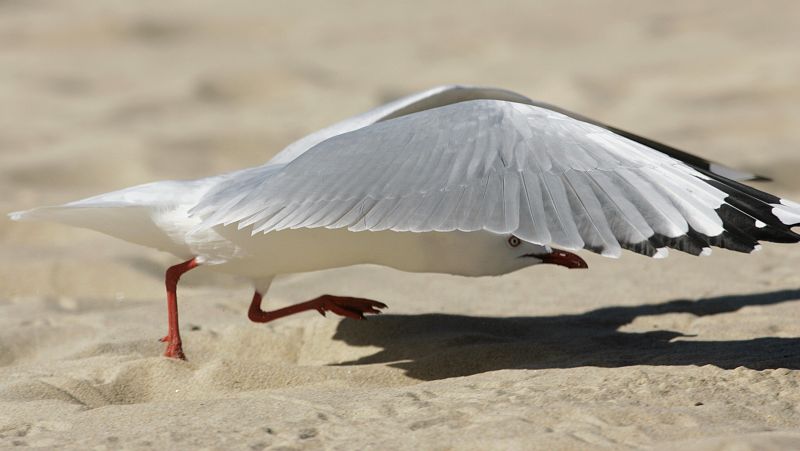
437 346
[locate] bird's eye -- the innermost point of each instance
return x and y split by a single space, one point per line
514 241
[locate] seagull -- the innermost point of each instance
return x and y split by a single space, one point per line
473 181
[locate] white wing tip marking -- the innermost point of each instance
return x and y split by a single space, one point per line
705 252
760 224
784 212
757 248
661 252
789 203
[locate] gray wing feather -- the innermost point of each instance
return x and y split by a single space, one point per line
532 215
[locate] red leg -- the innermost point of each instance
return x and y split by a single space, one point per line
350 307
173 339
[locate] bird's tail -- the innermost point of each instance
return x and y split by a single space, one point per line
141 214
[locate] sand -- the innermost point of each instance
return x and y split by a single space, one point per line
684 353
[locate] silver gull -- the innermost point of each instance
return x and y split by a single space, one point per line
458 180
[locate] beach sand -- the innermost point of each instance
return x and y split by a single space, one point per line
682 353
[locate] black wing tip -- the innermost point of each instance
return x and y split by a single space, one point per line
747 218
694 243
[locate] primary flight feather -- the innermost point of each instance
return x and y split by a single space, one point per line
460 180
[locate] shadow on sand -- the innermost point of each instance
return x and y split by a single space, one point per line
437 346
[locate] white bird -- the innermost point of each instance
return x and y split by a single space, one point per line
458 180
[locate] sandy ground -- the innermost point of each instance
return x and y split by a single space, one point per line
684 353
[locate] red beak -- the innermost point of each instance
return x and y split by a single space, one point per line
563 258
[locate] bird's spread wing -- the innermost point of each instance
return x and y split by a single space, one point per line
449 94
507 168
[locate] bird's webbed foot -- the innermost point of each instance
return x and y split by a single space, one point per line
174 348
346 306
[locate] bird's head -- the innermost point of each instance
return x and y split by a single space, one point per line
488 254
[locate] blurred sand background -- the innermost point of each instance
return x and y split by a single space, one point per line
684 353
